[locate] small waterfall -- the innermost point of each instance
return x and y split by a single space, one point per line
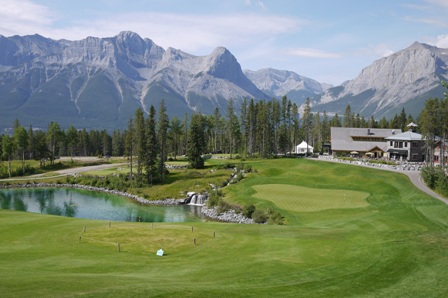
197 199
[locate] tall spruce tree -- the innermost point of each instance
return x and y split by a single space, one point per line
139 139
8 150
152 174
196 142
21 143
54 136
162 131
175 133
129 146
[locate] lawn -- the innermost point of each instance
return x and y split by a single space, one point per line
388 240
306 199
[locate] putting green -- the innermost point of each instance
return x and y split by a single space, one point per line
306 199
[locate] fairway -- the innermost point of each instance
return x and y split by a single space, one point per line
349 232
306 199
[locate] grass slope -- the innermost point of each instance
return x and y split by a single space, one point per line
394 246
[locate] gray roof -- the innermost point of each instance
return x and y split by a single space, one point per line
405 136
342 138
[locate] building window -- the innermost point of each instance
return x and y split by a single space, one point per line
414 144
406 144
391 143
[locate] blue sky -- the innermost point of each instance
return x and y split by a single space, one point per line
327 40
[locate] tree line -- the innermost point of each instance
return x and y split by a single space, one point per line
259 129
433 122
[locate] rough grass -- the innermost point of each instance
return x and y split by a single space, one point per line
394 247
306 199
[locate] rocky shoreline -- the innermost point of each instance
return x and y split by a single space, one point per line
164 202
228 216
212 213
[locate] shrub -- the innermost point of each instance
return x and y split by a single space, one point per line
248 210
428 174
214 198
259 216
223 206
275 217
227 165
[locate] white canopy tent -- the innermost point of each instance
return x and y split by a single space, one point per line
303 148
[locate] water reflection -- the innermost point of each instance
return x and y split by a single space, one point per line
94 205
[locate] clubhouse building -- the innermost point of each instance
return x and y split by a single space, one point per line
377 143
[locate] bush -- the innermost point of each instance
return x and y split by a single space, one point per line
275 217
248 210
214 198
223 206
227 165
259 216
436 179
428 174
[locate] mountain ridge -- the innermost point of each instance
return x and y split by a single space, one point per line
100 82
402 80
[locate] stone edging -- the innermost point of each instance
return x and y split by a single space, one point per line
165 202
229 216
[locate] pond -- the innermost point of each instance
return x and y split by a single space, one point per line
79 203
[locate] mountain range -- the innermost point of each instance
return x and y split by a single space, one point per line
405 79
100 82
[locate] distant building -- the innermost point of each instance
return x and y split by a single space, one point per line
438 150
303 148
406 146
371 142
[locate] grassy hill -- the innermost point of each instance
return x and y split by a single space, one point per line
349 232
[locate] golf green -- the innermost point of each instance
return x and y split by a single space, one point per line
389 240
306 199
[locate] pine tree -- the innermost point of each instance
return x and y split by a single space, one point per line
31 143
175 133
348 117
163 125
196 142
54 136
152 174
8 150
307 121
230 128
139 139
72 140
129 145
21 143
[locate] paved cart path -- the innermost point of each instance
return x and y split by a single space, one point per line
414 176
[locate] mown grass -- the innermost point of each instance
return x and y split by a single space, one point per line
396 246
177 184
305 199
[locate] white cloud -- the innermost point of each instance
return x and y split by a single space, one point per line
442 3
440 41
256 3
439 22
376 51
24 17
312 53
187 32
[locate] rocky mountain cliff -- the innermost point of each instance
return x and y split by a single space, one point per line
100 82
277 83
405 79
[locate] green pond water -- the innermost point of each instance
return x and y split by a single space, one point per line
92 205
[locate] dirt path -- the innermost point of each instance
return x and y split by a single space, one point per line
414 177
65 172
